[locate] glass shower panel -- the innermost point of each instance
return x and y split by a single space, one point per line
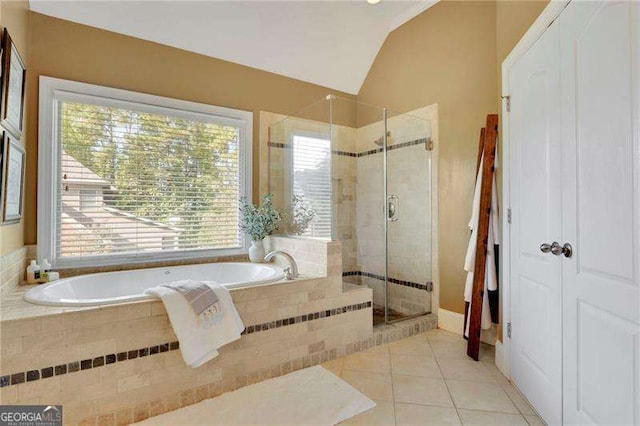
300 171
369 216
409 189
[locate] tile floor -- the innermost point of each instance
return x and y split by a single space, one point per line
428 380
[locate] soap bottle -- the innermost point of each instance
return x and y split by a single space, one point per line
33 273
46 269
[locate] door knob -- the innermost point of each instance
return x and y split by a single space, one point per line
545 248
556 248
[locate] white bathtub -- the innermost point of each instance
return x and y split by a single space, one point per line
125 286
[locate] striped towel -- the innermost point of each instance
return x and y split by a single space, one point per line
202 299
199 340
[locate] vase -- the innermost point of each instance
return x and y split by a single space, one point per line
256 251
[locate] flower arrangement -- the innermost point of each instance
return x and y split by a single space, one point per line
296 220
259 221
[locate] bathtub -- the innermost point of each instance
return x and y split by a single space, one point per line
126 286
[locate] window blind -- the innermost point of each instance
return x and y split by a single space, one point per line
312 181
133 182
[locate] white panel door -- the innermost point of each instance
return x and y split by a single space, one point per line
601 212
535 193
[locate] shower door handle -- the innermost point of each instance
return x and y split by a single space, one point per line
392 208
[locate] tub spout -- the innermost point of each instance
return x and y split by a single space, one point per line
293 271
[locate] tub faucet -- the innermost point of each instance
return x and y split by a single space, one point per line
289 273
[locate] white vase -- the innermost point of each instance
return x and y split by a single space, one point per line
256 251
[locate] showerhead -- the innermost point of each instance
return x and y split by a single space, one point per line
380 140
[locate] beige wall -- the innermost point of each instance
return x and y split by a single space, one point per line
72 51
450 55
446 55
14 16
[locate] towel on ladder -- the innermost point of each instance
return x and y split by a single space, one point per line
199 340
491 276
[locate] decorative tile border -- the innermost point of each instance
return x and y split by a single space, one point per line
396 146
344 153
428 286
304 318
363 153
86 364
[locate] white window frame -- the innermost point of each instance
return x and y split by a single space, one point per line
53 90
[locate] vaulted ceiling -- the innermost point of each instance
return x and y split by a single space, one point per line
330 43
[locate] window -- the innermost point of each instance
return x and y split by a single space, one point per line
312 181
90 199
134 177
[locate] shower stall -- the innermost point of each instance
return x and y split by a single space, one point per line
360 174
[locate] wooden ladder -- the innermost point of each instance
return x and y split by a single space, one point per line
487 150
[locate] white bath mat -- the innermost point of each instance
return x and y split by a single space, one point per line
313 396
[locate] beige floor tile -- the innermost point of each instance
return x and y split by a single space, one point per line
421 390
376 386
534 420
484 418
480 396
449 350
497 374
466 369
439 335
381 415
425 415
518 400
415 365
368 361
335 366
411 347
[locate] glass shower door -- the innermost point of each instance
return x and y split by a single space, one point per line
368 215
408 222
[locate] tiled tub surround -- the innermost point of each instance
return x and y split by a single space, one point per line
119 363
12 268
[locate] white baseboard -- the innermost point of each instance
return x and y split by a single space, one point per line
454 322
450 321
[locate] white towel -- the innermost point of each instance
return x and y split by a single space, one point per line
199 342
491 277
